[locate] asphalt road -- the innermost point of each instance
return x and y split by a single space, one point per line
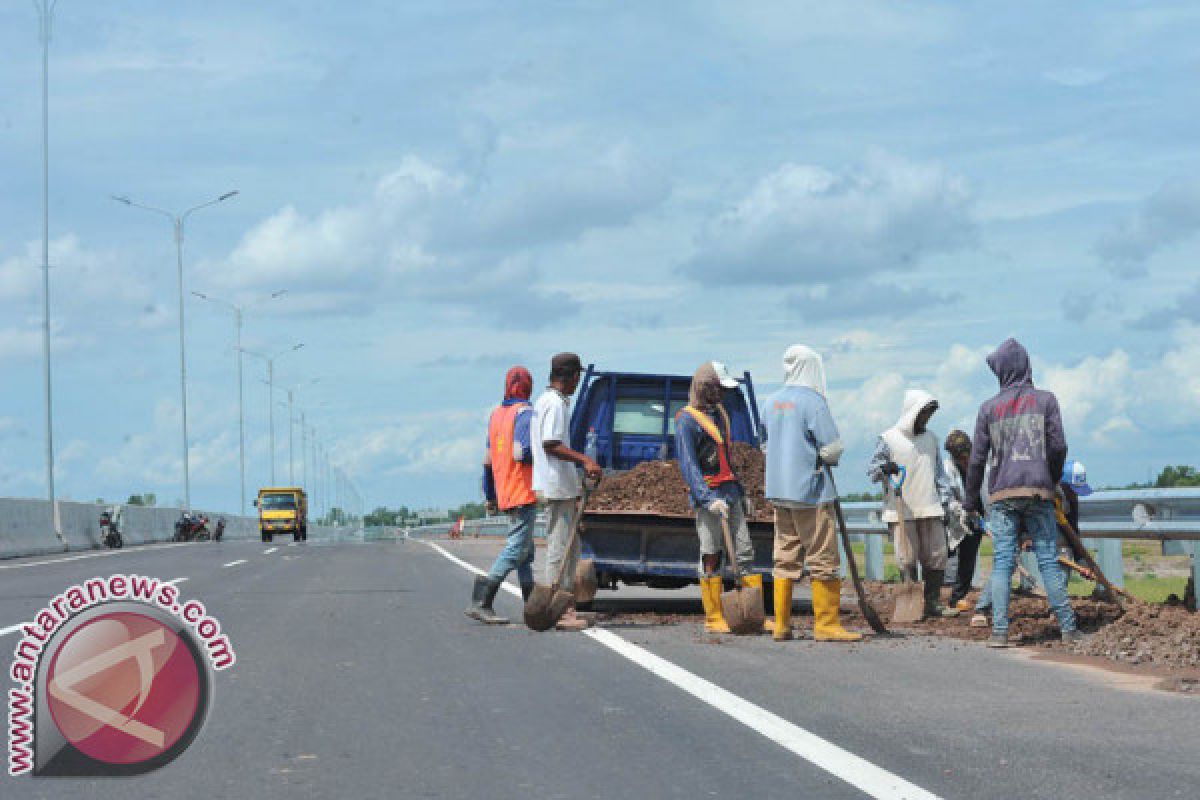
359 676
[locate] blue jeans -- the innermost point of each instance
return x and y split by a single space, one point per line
518 551
1006 520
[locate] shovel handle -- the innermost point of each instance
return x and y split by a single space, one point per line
733 563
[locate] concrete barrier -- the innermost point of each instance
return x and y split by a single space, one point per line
27 528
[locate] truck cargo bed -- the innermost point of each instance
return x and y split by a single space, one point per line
657 550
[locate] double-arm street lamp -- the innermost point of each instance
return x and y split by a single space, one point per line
177 222
238 313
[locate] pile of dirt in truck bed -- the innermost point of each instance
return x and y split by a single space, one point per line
657 487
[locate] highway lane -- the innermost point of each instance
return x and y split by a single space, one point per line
358 675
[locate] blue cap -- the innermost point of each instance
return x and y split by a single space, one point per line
1075 476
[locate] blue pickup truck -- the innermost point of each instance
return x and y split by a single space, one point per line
623 419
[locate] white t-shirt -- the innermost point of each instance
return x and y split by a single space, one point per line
553 478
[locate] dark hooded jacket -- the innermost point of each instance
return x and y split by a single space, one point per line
1018 435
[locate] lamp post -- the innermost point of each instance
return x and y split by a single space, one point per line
238 312
291 392
178 222
270 359
45 11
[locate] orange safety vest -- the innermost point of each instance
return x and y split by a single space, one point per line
514 480
724 471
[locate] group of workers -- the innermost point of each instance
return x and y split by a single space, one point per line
933 506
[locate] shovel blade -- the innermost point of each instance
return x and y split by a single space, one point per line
545 607
743 610
910 603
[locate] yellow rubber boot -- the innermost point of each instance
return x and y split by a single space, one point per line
756 582
783 610
710 596
827 598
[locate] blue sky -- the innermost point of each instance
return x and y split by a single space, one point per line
447 188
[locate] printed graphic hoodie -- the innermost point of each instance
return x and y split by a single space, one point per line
1018 435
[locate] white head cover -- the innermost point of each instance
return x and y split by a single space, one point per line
802 366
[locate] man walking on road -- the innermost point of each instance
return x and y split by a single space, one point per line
1019 435
801 439
702 435
911 449
508 487
555 477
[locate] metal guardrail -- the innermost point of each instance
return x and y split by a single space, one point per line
1169 516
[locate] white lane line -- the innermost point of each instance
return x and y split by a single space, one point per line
94 555
9 629
235 563
858 772
269 550
176 582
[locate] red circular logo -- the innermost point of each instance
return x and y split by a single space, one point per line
124 688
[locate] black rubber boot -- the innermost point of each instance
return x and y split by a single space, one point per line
478 592
934 578
486 613
526 590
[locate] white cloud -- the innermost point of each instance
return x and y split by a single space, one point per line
445 443
462 242
807 223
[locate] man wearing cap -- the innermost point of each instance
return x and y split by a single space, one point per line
508 487
702 436
555 474
802 440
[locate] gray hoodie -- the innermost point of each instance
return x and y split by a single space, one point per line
1018 435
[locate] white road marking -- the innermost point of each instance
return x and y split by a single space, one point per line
235 563
269 550
175 582
291 544
858 772
94 555
9 629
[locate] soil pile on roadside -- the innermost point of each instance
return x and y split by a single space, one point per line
657 487
1166 636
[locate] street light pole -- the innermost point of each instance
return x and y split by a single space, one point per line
45 10
177 223
270 359
238 312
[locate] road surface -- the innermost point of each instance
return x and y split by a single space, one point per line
359 676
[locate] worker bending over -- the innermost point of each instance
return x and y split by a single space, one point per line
508 487
801 439
910 445
702 439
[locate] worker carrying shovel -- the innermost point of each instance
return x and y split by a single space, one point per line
702 442
801 438
911 450
508 487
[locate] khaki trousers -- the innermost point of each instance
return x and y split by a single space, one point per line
806 536
924 542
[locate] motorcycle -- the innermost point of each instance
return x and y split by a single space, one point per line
192 528
110 532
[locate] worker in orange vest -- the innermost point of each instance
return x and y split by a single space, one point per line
508 487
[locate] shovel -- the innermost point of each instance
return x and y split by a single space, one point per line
547 604
910 596
741 606
868 611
